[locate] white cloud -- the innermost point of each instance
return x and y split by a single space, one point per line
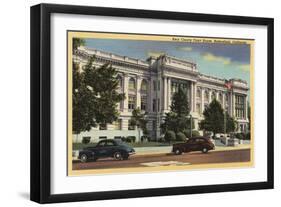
187 49
213 58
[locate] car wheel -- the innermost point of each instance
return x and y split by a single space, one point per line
205 150
84 158
178 151
118 156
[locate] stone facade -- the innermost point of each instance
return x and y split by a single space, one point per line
150 85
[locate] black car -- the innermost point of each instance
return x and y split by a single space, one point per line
106 148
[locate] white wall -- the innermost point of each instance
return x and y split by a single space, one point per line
14 110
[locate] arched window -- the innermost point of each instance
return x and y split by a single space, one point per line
144 86
144 92
220 98
198 93
213 95
132 84
206 96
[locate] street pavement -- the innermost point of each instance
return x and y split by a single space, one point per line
147 160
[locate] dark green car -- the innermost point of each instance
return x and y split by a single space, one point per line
107 148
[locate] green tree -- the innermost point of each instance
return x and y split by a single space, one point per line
138 119
230 123
180 104
77 42
94 96
177 119
214 118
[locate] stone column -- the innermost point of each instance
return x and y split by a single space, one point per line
191 97
246 107
169 92
160 94
223 100
194 96
165 91
151 95
230 104
138 91
233 105
202 100
126 92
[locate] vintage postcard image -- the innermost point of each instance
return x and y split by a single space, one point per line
150 103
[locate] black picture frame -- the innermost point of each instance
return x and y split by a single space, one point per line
41 96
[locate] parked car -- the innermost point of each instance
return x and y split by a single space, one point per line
203 144
106 148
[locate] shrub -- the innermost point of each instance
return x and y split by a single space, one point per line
180 136
248 136
131 139
86 140
144 138
240 135
186 132
123 139
195 133
170 136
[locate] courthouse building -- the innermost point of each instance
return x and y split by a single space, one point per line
150 85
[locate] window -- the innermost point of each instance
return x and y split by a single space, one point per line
213 96
132 102
206 96
102 143
220 98
143 103
158 85
198 108
226 98
118 124
240 106
154 85
110 143
132 84
154 125
86 140
130 126
103 126
144 86
198 93
154 105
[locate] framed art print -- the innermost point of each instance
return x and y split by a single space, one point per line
133 103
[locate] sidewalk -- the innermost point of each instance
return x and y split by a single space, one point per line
168 149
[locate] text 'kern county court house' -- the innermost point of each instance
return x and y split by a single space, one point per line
149 85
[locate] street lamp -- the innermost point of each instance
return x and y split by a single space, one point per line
190 116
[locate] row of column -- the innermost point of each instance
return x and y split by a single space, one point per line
164 95
202 101
137 93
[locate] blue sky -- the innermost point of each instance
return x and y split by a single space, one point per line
220 60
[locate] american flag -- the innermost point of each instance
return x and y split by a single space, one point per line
228 85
